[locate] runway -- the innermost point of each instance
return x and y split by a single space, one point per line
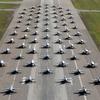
53 23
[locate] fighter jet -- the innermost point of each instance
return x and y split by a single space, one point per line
72 22
47 45
7 51
32 10
27 80
65 80
24 9
9 91
25 37
64 24
36 27
78 34
63 19
19 57
62 64
68 37
68 13
37 21
35 33
37 17
38 12
85 52
71 46
2 63
70 17
32 7
56 27
54 13
21 16
62 15
46 37
92 64
78 72
31 15
16 71
46 19
11 41
73 58
83 91
46 56
28 23
67 30
30 18
60 11
68 10
27 29
39 6
14 33
55 21
47 72
22 46
74 27
57 34
53 6
96 81
60 51
46 24
59 41
23 13
31 64
34 40
33 51
55 17
46 30
81 42
19 21
46 11
17 26
59 7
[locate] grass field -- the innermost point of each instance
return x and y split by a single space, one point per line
92 22
87 4
5 18
8 6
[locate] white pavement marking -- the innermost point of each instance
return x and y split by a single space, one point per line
30 46
14 78
31 86
80 80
